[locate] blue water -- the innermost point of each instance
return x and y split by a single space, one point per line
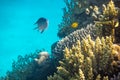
17 36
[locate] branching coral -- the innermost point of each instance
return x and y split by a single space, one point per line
75 12
68 41
101 53
88 60
109 19
72 7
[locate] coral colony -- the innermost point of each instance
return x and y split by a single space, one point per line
89 48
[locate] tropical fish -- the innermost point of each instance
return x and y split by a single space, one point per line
74 24
42 24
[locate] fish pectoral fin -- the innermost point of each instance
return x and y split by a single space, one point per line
35 28
35 23
42 31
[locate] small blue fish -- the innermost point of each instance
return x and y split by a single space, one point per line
42 24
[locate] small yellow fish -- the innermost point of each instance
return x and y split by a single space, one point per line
74 24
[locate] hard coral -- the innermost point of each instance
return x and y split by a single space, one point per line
109 19
88 60
75 12
68 41
43 56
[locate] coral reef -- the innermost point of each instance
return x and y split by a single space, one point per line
78 56
68 41
95 14
108 18
75 11
41 71
42 57
21 68
29 67
89 60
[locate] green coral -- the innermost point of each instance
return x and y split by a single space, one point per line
87 60
71 14
26 68
21 68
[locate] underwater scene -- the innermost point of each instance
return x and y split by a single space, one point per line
59 39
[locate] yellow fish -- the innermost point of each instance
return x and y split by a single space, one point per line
74 24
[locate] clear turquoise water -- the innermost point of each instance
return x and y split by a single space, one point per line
17 36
